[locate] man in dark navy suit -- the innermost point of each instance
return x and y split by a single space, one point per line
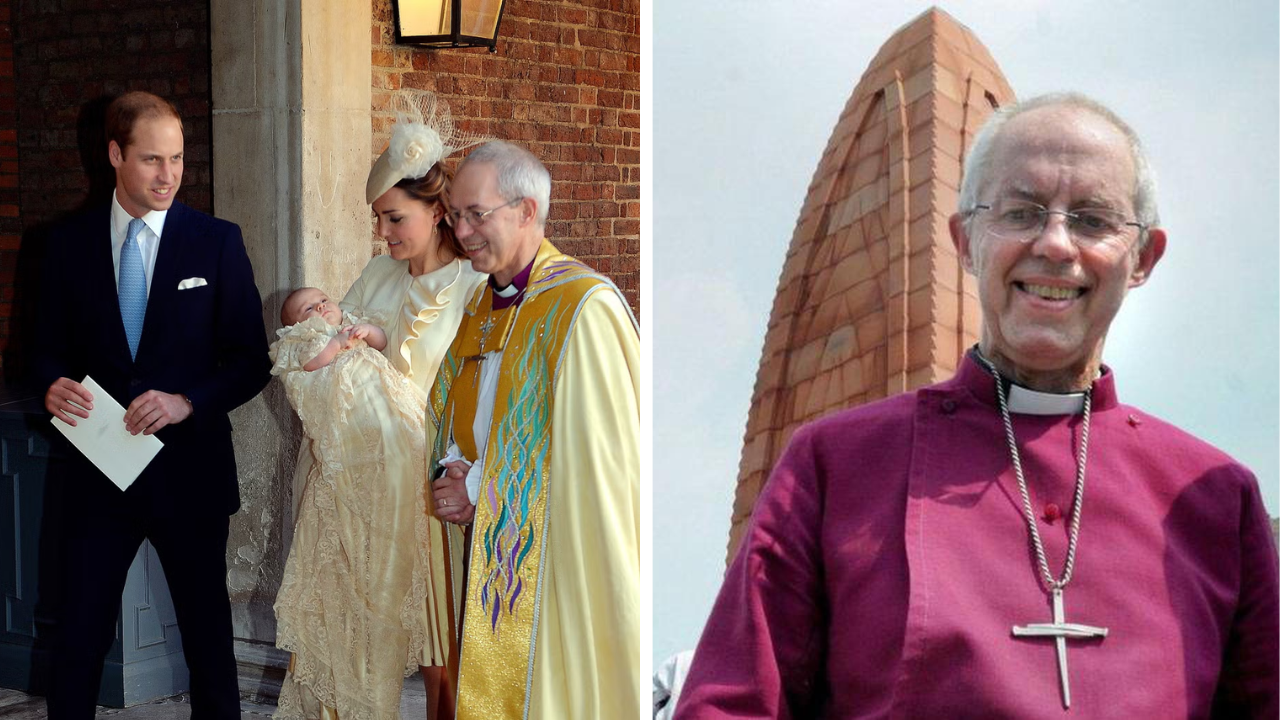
156 302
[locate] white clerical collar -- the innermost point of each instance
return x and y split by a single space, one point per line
1033 402
507 291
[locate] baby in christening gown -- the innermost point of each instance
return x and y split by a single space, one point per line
352 603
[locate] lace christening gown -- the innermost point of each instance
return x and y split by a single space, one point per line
355 606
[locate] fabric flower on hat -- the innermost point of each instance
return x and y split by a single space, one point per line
414 149
423 135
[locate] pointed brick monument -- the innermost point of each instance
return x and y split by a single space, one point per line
872 300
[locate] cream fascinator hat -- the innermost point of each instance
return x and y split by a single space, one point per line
424 133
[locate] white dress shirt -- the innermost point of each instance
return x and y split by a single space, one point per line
148 238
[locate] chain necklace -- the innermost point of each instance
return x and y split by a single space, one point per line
1027 511
1059 629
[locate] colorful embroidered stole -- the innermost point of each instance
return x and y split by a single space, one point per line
509 535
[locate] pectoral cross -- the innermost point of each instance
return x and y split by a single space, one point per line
486 327
1060 631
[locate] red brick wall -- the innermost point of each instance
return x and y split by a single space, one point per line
565 83
88 49
69 58
10 217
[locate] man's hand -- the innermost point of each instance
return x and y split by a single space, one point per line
60 396
153 410
450 490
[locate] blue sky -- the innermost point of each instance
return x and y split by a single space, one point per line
745 95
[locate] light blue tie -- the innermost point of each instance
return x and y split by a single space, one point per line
133 287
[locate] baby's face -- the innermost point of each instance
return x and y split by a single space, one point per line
311 302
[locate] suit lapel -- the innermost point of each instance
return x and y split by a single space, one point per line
97 234
164 286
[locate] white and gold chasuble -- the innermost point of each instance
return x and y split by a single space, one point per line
551 615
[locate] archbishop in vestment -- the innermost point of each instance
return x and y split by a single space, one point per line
537 405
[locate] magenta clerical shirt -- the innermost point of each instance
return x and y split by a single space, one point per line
888 559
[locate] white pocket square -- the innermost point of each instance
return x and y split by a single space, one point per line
192 283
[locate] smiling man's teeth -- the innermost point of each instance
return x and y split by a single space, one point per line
1050 292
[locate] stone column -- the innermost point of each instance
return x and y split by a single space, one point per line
291 138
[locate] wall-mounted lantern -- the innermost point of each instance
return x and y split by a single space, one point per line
448 23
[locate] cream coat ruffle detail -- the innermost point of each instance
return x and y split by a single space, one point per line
423 312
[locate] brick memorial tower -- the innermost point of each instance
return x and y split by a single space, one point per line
872 300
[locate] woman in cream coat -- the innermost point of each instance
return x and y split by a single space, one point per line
358 625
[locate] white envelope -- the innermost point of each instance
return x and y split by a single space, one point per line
102 438
192 283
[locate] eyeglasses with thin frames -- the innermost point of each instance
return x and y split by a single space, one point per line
473 218
1023 220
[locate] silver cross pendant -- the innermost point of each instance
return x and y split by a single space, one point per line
1060 631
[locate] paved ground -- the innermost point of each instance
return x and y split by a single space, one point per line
19 706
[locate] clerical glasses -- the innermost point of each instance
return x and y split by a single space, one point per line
1023 220
473 218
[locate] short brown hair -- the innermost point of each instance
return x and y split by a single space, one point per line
434 188
125 111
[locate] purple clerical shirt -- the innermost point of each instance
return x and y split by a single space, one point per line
888 560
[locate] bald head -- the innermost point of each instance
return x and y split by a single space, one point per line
1048 230
979 163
